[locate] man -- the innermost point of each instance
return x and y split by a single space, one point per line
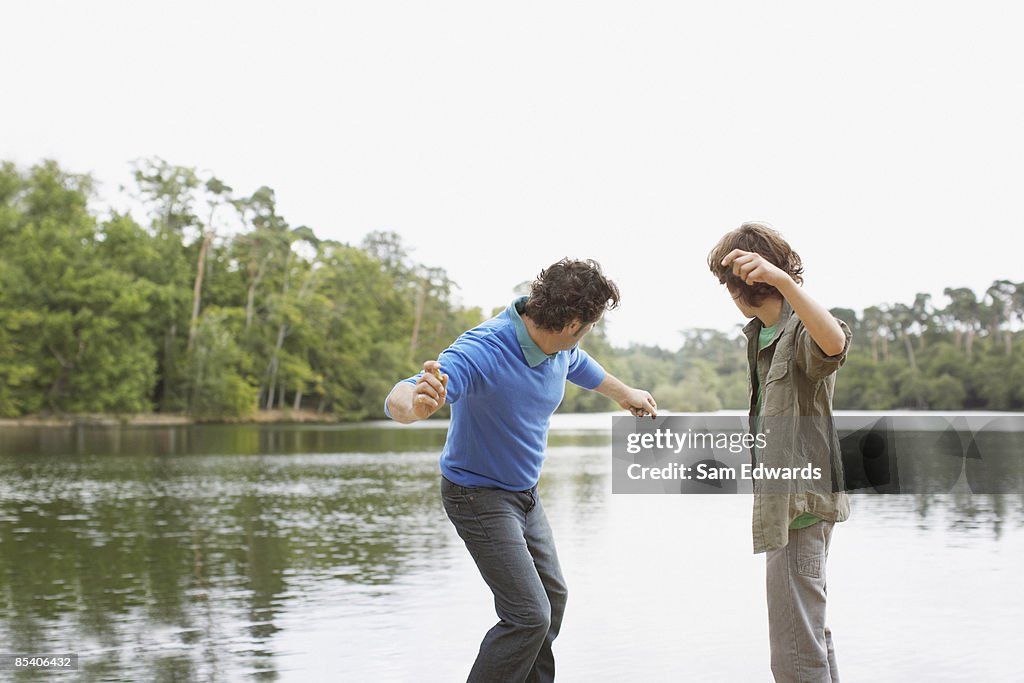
794 347
504 379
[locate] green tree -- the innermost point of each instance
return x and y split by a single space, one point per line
216 386
964 313
77 318
217 196
168 192
1000 309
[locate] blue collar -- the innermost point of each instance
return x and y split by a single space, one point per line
534 356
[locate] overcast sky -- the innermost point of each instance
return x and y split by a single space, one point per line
883 139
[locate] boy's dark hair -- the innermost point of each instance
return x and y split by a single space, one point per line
568 291
760 239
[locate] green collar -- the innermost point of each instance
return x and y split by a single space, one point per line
753 328
534 356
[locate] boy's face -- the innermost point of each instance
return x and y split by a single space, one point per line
746 310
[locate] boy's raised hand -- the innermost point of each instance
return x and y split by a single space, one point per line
752 267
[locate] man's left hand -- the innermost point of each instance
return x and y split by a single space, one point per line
640 403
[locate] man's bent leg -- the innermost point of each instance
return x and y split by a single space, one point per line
541 542
492 522
801 644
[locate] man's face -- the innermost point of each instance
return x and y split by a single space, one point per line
572 333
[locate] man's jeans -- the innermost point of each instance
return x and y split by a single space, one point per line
509 537
801 643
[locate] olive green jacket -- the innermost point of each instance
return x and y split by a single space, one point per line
798 380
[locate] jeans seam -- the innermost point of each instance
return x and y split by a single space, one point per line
476 515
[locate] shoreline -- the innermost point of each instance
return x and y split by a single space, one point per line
167 419
600 421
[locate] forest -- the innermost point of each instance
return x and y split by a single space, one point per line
216 307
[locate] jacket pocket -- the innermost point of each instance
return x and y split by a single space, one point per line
779 369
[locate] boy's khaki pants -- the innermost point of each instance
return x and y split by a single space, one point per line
801 643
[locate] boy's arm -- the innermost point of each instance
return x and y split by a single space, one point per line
636 401
821 326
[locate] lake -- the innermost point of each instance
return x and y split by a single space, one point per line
322 553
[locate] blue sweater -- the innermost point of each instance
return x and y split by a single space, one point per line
501 405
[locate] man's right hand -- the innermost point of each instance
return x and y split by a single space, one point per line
430 391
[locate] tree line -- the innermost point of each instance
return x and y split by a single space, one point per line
966 354
216 306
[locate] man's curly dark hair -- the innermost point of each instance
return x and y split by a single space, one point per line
568 291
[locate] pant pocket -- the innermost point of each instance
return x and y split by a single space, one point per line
463 514
810 550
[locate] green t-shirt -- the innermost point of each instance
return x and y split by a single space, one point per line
764 338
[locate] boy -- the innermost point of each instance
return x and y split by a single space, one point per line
794 347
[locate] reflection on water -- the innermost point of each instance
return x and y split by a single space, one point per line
213 553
